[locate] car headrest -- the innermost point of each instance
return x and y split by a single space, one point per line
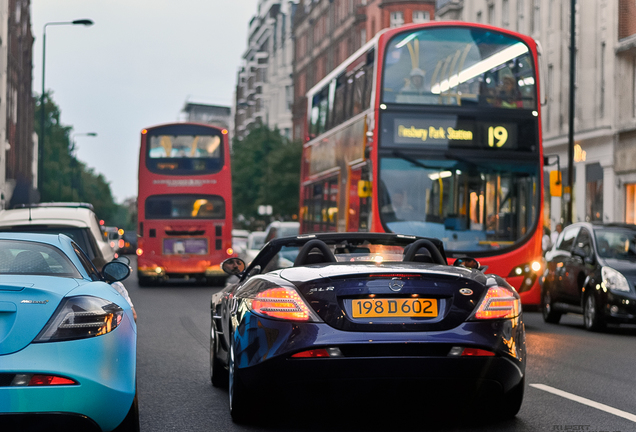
314 252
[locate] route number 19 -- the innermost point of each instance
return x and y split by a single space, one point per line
497 136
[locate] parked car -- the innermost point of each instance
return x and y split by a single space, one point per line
76 220
255 241
591 270
68 351
359 312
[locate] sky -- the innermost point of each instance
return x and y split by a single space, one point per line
135 67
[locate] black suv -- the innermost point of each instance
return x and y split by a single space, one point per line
591 270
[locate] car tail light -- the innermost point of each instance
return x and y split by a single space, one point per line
318 353
81 317
458 351
498 303
284 303
33 380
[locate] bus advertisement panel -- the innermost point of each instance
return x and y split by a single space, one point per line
433 130
184 203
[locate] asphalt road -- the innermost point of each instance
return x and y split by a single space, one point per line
576 380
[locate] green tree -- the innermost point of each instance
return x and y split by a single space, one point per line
64 178
265 171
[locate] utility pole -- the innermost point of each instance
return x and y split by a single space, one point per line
570 188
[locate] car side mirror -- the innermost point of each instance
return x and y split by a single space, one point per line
581 253
233 266
467 262
115 271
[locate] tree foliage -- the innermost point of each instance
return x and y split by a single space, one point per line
266 171
64 177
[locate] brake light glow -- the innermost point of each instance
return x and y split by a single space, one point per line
140 252
31 380
49 380
319 352
498 303
312 353
282 303
476 352
229 251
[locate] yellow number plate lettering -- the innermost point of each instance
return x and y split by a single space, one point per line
388 308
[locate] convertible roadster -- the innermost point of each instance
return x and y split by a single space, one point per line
350 314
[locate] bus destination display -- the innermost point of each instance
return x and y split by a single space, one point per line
451 132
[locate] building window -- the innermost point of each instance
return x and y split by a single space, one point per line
602 95
421 16
479 20
363 36
549 89
397 19
536 17
634 87
594 192
520 16
630 210
505 14
491 14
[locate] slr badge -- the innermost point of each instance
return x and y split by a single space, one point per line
396 284
466 291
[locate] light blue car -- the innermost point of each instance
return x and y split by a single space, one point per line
67 339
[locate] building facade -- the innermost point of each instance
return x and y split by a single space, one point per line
18 144
264 80
215 115
327 32
605 95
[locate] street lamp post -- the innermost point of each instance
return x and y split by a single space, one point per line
75 182
84 22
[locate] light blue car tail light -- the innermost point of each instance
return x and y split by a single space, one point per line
81 317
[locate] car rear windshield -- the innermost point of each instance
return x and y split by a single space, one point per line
31 258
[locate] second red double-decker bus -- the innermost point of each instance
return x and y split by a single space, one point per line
433 130
184 202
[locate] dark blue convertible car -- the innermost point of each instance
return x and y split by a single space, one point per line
347 314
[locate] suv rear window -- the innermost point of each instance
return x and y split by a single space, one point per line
81 236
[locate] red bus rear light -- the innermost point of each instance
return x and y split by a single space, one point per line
139 252
498 303
229 251
283 303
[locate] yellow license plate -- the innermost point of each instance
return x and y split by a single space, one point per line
387 308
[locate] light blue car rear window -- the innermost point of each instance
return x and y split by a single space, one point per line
32 258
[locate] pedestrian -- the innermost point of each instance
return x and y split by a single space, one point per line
555 234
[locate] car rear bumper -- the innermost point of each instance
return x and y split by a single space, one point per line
264 349
50 422
104 368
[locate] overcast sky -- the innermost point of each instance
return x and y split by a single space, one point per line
136 67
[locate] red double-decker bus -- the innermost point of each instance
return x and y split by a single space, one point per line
184 203
435 130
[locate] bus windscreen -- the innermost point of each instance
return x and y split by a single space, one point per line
459 66
184 154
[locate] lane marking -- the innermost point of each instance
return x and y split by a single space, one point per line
584 401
